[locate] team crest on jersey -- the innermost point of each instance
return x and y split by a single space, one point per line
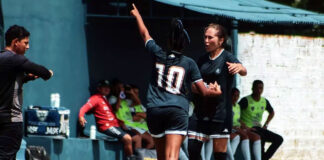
103 102
262 107
105 108
252 108
217 70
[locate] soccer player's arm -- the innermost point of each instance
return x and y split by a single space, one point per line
270 116
198 85
84 109
141 26
243 105
235 66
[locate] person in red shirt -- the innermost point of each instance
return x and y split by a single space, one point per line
106 120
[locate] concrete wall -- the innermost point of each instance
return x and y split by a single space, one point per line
58 42
291 68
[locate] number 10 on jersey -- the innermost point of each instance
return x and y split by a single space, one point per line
174 78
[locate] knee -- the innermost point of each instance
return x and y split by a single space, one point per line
127 139
254 137
136 138
244 136
279 140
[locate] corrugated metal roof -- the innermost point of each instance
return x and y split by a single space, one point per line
255 11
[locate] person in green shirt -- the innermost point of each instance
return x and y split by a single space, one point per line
130 111
252 109
243 134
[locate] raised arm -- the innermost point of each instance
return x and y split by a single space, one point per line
141 26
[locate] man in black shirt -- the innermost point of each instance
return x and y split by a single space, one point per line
15 69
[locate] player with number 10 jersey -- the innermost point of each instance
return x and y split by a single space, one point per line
172 77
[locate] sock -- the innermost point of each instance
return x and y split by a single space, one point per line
234 143
257 150
245 146
194 149
208 149
230 155
220 156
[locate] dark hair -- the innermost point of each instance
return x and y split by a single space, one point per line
178 36
235 89
222 32
14 32
256 82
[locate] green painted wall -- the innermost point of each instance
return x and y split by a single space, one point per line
58 42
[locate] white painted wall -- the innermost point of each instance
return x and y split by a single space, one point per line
292 69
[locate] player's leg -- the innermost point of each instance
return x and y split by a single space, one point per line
235 141
245 144
127 140
160 147
156 122
220 148
173 143
208 150
176 131
196 138
229 152
147 138
194 149
268 136
117 132
220 137
256 144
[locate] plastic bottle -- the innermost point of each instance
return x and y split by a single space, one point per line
93 132
55 100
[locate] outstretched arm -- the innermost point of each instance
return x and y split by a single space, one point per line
234 68
141 26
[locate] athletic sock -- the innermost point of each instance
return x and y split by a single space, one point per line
234 143
208 149
194 149
257 150
220 155
229 152
245 146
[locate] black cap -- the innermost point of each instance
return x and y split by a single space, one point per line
103 83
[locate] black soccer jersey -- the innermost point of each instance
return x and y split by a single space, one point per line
171 79
217 109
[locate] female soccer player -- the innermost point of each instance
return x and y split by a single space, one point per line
212 117
169 88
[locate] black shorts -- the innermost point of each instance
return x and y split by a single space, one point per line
10 139
202 130
117 132
167 120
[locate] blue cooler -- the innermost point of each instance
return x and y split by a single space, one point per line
47 121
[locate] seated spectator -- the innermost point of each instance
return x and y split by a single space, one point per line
245 134
106 120
130 110
252 109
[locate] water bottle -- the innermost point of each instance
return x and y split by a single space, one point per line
55 100
93 132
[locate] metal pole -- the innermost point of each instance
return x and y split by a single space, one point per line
234 37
